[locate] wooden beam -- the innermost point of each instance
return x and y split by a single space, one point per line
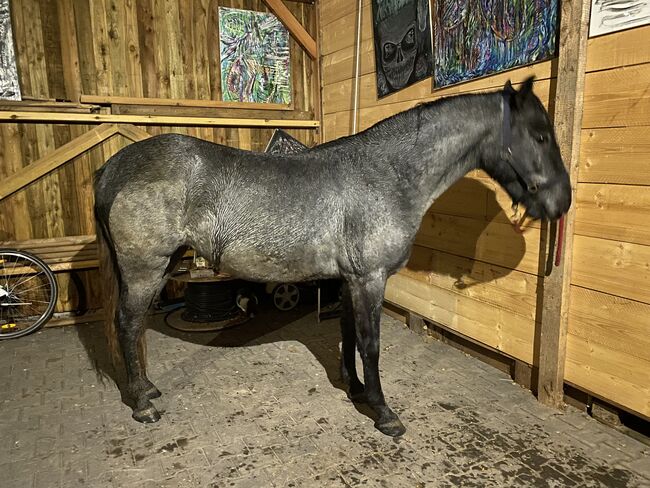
68 118
568 124
180 102
69 51
236 113
134 133
56 158
296 29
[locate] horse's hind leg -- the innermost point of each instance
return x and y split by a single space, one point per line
367 295
349 348
140 281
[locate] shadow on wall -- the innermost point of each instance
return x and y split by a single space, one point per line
475 248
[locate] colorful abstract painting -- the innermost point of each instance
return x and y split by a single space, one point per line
474 38
403 54
9 87
255 61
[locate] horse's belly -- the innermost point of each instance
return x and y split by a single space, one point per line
279 267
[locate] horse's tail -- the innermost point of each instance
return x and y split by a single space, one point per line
110 283
110 288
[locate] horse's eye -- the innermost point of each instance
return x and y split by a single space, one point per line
541 138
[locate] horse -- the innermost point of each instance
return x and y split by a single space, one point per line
347 209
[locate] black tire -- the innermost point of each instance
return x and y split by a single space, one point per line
10 275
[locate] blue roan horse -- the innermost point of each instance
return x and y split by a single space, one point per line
347 209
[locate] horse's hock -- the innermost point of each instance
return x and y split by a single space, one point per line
488 221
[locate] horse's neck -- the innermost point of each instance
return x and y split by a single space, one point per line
434 146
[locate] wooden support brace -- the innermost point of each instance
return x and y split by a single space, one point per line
568 124
180 102
132 132
69 118
296 29
56 158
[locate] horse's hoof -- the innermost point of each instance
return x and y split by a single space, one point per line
147 415
393 427
152 393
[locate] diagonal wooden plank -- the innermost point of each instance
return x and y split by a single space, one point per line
56 158
133 133
296 29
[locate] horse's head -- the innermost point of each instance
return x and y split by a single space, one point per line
529 165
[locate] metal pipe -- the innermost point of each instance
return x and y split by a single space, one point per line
356 71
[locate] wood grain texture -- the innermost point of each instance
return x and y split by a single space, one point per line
617 323
26 117
615 155
567 120
618 268
54 159
494 326
294 26
616 212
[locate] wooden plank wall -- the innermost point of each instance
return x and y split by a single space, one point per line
608 344
143 48
470 271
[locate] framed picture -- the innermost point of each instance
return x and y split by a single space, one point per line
9 86
255 60
614 15
402 35
482 37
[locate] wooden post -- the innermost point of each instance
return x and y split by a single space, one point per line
296 29
568 124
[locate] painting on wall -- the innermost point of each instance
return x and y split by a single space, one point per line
482 37
255 61
403 53
9 87
615 15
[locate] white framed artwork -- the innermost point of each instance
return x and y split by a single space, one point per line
615 15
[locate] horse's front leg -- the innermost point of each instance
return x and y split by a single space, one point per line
367 294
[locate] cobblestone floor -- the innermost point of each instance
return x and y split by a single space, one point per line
261 406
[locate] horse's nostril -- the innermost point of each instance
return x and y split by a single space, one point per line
532 188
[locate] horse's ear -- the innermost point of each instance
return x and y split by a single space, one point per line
526 87
508 88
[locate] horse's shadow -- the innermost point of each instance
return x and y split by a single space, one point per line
267 327
470 243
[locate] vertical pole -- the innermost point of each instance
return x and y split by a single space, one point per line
568 124
357 66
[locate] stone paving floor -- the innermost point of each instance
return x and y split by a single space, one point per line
261 406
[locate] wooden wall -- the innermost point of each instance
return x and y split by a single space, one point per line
608 345
133 48
470 272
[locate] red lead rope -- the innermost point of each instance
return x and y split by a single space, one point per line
560 241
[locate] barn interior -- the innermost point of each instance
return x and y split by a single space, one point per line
516 351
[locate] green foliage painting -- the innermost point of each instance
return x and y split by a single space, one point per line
255 63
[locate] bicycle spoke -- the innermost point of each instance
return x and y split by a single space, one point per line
28 279
36 287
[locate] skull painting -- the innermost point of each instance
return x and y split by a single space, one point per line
402 43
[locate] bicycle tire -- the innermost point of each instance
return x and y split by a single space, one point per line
54 292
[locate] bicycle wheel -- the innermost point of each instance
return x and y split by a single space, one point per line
28 293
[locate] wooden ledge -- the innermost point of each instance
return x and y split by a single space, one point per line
68 118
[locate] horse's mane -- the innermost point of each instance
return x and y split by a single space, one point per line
411 117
